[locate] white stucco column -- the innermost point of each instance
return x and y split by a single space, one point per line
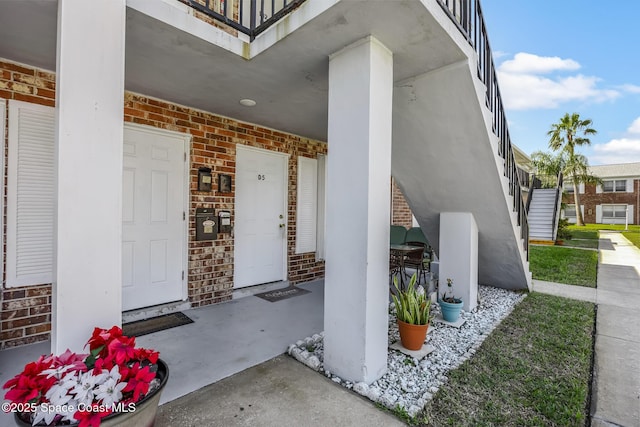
89 107
459 256
357 211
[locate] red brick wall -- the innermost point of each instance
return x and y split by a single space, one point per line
590 199
26 311
400 210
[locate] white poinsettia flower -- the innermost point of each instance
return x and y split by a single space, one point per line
58 394
55 372
114 373
110 392
44 413
70 410
84 389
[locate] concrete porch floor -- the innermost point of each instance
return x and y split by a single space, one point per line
223 340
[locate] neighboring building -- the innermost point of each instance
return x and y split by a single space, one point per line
615 201
197 166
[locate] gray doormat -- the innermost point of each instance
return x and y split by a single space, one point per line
280 294
155 324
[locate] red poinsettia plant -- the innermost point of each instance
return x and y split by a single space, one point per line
84 388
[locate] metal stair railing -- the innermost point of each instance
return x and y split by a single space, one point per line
467 15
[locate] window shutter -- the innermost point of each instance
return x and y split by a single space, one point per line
322 191
31 194
307 210
581 188
630 214
630 185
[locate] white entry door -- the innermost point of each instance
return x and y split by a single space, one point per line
153 228
261 217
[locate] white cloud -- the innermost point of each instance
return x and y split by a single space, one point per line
619 150
524 87
634 129
623 150
527 63
630 88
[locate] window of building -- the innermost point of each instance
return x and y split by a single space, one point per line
570 211
614 185
614 211
568 187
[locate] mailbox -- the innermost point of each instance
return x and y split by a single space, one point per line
224 222
206 224
204 179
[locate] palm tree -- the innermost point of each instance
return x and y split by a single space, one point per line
564 136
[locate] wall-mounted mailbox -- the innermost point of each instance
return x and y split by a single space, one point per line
204 179
206 224
224 222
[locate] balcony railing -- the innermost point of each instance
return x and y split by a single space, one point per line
467 15
250 17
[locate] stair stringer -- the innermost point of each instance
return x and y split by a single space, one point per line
444 159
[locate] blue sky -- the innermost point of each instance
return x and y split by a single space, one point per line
564 56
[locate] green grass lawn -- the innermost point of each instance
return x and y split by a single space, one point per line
563 265
533 370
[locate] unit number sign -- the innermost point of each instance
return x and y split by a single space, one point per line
261 177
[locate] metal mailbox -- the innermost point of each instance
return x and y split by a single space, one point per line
206 224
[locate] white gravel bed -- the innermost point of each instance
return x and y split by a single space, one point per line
409 384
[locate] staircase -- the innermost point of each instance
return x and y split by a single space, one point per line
451 152
542 212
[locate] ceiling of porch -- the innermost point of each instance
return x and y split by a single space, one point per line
289 80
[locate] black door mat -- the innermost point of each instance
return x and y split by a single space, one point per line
280 294
155 324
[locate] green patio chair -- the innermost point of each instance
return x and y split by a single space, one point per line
398 234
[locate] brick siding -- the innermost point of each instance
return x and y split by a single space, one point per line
590 199
401 212
26 311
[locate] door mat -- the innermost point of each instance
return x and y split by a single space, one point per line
155 324
280 294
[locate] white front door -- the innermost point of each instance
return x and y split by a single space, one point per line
260 210
153 230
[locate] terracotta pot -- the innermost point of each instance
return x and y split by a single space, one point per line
412 336
145 410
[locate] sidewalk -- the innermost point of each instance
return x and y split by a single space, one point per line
616 377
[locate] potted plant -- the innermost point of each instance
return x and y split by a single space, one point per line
413 313
450 305
116 384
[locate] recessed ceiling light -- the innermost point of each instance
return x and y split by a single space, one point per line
248 102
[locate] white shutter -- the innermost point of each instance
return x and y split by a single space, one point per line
598 188
581 188
630 214
31 191
307 210
630 185
322 191
598 214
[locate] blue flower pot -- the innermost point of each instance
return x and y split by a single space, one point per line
450 310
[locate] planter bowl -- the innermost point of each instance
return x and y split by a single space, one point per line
145 410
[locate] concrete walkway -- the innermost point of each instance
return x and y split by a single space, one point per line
616 377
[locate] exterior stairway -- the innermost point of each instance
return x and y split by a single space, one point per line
541 215
451 153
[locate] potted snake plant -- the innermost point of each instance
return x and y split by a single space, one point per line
413 313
